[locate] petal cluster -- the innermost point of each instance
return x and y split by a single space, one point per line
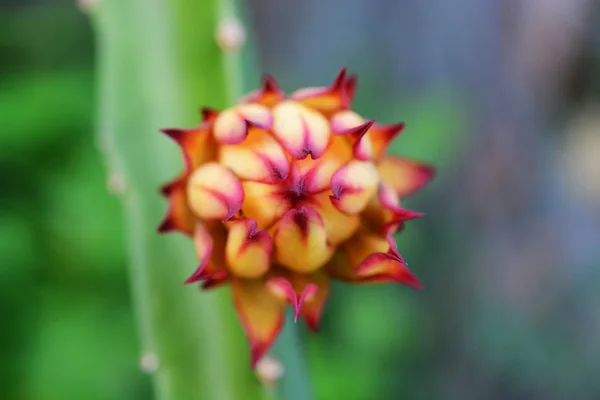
282 193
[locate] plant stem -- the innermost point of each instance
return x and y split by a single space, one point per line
157 63
294 384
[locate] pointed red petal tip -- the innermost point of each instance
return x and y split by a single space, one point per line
198 274
339 86
167 224
339 80
362 149
283 289
268 95
382 136
400 217
204 244
174 133
392 130
214 280
178 216
387 267
177 183
389 200
328 100
209 114
350 86
353 185
403 175
270 86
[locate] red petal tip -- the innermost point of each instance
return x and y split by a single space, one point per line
166 225
216 279
392 130
351 87
168 187
340 80
270 85
173 133
198 275
208 114
359 131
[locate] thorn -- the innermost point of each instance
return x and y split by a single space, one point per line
149 363
269 370
230 34
87 6
116 184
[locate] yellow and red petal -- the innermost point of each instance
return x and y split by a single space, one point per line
339 226
283 289
344 120
387 267
261 314
301 241
362 148
231 126
208 114
214 192
209 242
316 174
382 136
300 130
258 158
179 217
197 144
327 100
265 203
350 88
403 175
248 249
384 212
353 185
268 95
371 258
314 300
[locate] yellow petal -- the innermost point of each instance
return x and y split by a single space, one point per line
316 174
301 241
258 158
248 249
362 149
403 175
371 258
260 312
327 100
197 144
209 241
339 226
344 120
381 137
231 126
353 185
313 304
301 131
214 192
264 203
384 213
179 217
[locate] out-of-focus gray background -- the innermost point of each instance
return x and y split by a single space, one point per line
501 95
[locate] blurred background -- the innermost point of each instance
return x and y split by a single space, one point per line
503 96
